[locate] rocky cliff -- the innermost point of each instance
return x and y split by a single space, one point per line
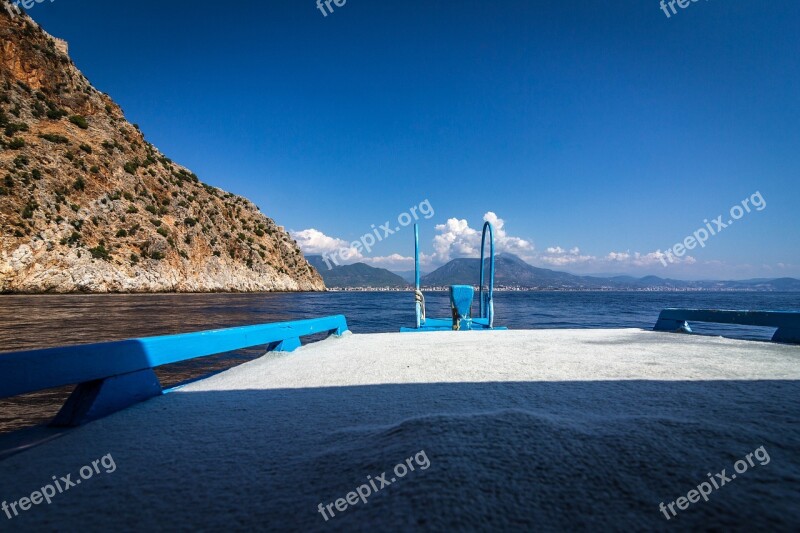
87 204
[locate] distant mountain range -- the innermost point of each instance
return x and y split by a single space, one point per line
513 272
357 275
510 271
407 275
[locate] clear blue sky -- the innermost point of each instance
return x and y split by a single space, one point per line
604 126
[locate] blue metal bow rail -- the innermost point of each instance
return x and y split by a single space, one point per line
460 296
115 375
787 322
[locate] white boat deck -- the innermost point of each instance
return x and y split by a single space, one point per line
545 429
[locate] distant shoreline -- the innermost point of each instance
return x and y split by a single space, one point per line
552 289
392 289
145 293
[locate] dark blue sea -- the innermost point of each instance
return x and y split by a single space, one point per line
28 322
51 320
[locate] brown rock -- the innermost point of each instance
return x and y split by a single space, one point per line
87 204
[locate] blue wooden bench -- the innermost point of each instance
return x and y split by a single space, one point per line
787 322
114 375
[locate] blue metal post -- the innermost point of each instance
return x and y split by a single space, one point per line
418 305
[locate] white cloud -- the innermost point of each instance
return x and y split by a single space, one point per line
457 239
618 256
503 241
645 260
391 262
313 241
558 256
624 261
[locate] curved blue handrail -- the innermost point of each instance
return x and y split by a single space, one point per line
487 305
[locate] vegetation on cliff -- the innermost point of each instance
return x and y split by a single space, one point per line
87 204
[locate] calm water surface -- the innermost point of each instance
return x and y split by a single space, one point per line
28 322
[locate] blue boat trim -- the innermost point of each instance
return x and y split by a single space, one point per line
115 375
446 324
787 322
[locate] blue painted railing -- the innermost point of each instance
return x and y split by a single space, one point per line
787 322
114 375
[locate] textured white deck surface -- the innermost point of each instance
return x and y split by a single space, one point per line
546 429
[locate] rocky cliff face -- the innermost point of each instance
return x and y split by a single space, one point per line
87 204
